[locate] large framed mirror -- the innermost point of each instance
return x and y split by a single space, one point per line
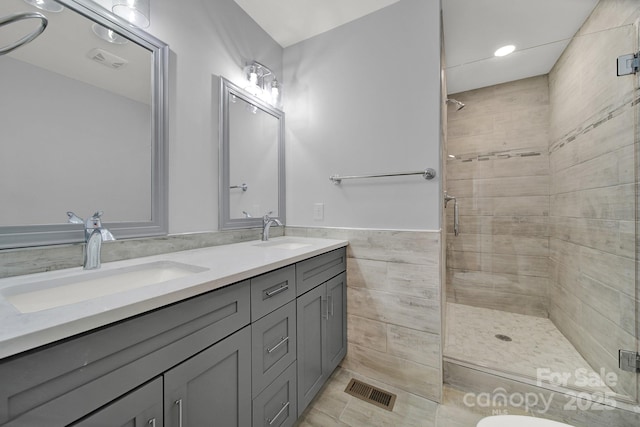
251 159
83 115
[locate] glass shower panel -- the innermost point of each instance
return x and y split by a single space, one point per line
593 200
545 170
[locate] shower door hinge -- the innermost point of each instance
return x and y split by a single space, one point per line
629 361
628 64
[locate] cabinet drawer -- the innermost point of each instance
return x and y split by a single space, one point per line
272 290
277 404
273 345
312 272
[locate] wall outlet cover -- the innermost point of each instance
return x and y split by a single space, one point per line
318 211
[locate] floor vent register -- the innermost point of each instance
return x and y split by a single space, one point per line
371 394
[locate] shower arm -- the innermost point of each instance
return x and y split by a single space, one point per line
456 217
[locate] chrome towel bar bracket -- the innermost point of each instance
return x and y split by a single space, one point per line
427 174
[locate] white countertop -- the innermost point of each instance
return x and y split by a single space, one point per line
225 265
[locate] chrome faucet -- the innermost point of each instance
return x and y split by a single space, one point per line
266 224
94 235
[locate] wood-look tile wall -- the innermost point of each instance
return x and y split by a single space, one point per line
593 290
500 176
393 306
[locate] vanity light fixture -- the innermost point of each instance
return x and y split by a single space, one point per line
505 50
136 12
262 83
47 5
107 34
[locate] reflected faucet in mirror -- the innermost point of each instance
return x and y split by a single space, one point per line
267 221
94 235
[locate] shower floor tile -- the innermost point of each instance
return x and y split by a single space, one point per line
537 349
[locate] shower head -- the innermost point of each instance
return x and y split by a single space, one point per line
458 103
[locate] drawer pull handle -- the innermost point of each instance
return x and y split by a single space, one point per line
284 408
152 422
277 291
275 347
179 403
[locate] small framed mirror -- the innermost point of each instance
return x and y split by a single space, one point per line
252 180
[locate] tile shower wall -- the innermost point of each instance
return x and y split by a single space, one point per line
500 176
393 306
593 290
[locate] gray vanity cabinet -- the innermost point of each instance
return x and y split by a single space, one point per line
141 407
62 383
251 353
322 314
213 387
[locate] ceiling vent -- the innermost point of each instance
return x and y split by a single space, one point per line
107 59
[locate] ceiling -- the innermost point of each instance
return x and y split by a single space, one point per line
291 21
473 30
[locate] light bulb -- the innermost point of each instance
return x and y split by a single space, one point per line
253 76
275 91
134 11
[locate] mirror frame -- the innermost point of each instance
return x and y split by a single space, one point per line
227 89
53 234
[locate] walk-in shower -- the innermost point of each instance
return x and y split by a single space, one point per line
544 170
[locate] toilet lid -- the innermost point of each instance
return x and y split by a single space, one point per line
518 421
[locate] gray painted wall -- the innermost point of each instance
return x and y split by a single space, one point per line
365 98
207 39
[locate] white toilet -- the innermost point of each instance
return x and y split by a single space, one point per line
518 421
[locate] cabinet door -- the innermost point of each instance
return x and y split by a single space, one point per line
336 321
140 408
213 387
312 310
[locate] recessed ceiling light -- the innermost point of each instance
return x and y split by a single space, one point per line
505 50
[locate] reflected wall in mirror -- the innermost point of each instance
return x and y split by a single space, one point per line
83 126
251 160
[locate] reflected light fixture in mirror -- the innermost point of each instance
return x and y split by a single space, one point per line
135 11
47 5
108 34
262 83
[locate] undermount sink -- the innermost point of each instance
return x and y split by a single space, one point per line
46 294
283 244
